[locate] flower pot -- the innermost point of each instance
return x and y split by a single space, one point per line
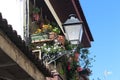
36 17
52 35
61 39
38 37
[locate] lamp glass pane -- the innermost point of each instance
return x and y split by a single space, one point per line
81 33
74 42
73 32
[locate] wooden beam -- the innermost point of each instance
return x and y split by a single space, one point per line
54 14
75 7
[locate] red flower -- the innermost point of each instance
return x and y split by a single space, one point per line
68 67
79 69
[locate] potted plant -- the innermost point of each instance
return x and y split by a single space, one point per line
35 14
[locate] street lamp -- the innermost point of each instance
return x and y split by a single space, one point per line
74 29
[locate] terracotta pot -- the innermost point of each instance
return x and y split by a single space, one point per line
36 17
61 39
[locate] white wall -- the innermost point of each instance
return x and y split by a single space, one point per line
12 10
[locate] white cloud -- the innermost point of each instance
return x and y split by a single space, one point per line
106 73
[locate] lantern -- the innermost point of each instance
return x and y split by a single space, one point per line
74 29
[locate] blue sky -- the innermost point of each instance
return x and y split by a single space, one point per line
103 17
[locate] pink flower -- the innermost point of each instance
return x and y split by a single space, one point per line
69 68
77 55
79 69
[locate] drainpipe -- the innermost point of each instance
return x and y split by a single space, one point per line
26 21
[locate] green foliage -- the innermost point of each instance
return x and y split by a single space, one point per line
36 10
56 28
85 58
69 46
61 72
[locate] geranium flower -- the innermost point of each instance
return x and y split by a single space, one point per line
79 69
68 67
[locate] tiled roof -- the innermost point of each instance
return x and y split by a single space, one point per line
16 39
